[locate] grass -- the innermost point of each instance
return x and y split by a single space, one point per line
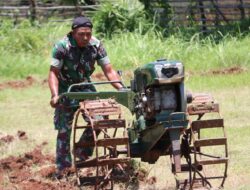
132 50
28 110
26 50
231 91
21 65
217 82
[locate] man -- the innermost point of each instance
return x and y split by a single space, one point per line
73 61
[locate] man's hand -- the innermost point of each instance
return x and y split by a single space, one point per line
54 101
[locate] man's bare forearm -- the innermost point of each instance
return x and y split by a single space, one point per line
53 81
112 75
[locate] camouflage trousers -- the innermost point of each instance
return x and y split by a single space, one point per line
63 120
63 123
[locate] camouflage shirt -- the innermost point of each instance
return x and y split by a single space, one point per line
76 64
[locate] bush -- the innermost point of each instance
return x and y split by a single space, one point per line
26 49
128 16
22 37
26 37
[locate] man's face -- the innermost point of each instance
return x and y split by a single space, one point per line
82 36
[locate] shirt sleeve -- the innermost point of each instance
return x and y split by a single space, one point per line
58 53
102 56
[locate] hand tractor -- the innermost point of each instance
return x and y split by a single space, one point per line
167 121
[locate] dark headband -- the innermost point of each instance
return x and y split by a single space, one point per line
81 21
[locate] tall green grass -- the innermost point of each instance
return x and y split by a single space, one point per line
131 50
26 50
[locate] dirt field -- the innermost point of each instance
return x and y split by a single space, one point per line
21 173
35 169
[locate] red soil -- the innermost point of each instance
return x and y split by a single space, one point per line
231 70
6 139
20 173
35 170
9 138
18 84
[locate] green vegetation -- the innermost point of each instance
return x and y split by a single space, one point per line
131 50
132 38
217 82
28 110
126 16
25 49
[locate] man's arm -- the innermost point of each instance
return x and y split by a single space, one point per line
53 85
111 75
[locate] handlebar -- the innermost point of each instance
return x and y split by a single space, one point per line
78 95
93 83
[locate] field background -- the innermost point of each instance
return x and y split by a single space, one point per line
218 67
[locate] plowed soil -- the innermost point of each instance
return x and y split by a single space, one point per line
226 71
32 170
18 84
35 170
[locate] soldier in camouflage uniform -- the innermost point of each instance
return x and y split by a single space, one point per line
73 61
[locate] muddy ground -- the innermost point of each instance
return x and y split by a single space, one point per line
35 170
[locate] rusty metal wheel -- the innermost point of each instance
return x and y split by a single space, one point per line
109 143
204 146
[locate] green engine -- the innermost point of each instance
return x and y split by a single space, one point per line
159 89
160 108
